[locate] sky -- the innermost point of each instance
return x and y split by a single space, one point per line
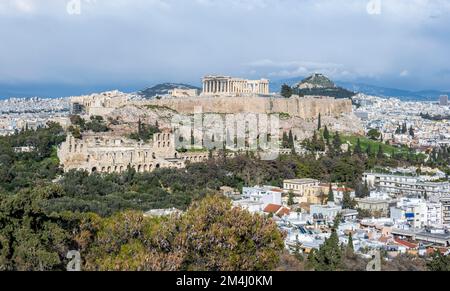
70 45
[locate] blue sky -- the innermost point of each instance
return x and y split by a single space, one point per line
135 43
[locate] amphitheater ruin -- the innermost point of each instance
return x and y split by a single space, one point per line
111 154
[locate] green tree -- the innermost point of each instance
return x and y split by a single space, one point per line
374 134
192 241
326 134
330 194
319 122
350 247
329 256
30 239
380 154
337 142
286 91
439 263
358 149
291 198
347 201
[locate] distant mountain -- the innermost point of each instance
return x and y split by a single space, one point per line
406 95
163 89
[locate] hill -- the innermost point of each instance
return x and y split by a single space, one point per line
320 85
163 89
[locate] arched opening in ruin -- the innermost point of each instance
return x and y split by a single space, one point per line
158 166
94 170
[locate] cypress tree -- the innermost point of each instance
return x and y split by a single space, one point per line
350 247
358 149
330 194
326 133
380 154
319 125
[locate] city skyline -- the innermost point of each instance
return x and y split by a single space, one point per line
111 44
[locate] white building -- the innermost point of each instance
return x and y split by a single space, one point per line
256 199
407 185
325 213
418 213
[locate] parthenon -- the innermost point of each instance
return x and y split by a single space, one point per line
223 85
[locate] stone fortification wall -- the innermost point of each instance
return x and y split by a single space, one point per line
303 107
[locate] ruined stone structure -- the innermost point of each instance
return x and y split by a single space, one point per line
303 107
112 154
98 104
183 93
223 85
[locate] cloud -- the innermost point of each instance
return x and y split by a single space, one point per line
404 73
147 41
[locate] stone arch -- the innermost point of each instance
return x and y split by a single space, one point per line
158 166
109 169
103 169
139 168
121 169
94 170
145 168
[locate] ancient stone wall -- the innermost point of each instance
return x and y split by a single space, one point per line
303 107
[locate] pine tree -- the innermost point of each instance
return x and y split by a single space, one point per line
286 91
